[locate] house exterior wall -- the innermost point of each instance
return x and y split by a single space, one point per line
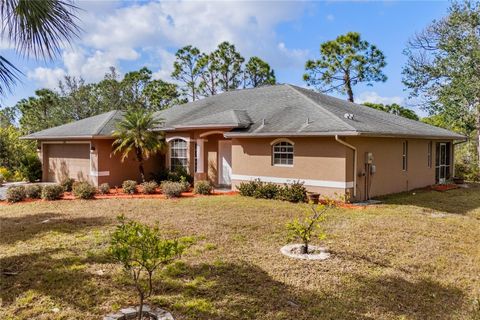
319 161
390 176
113 171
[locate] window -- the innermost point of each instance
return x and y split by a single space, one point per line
429 154
178 154
283 154
405 156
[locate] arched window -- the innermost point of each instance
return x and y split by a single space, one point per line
282 154
178 154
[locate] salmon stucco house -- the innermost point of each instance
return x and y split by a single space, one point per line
278 133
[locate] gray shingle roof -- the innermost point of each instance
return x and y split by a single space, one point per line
100 125
278 110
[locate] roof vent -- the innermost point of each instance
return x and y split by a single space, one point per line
308 121
348 116
263 121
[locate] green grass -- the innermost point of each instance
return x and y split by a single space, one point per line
415 257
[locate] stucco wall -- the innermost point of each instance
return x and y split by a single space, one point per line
319 159
112 170
390 176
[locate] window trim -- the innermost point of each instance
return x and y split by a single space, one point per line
276 142
405 155
170 141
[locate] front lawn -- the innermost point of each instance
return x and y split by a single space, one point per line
416 257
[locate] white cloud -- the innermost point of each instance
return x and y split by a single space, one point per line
330 17
374 97
114 33
47 76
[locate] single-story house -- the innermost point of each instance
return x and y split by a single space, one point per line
279 133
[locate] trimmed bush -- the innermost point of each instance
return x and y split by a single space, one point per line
52 192
247 189
172 189
203 187
104 188
15 194
129 186
149 187
30 167
33 191
178 175
294 192
267 191
67 184
83 190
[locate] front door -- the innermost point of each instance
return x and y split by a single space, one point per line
442 166
225 162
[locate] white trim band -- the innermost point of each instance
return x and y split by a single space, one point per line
99 173
307 182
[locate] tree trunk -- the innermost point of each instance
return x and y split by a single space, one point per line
478 138
304 249
348 87
140 308
140 164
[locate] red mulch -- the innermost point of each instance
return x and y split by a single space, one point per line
118 194
443 187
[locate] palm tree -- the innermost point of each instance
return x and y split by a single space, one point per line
136 133
36 28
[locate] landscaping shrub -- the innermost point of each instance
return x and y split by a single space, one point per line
30 167
129 186
52 192
67 184
172 189
185 184
15 194
294 192
267 191
149 187
247 189
104 188
33 191
5 173
2 180
178 175
83 190
203 187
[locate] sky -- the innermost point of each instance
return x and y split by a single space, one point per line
133 34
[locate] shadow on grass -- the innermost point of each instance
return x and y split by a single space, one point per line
26 227
456 201
245 291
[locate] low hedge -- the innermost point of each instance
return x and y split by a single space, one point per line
52 192
294 192
15 194
67 184
104 188
172 189
149 187
129 186
203 187
33 191
83 190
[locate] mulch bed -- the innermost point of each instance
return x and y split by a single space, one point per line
443 187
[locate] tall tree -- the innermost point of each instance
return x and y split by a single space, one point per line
343 63
258 73
79 98
186 70
162 95
395 109
34 28
137 134
133 85
209 75
109 91
443 66
45 110
228 63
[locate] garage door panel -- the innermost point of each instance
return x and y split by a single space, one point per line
68 160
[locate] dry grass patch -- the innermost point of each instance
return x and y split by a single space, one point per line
400 260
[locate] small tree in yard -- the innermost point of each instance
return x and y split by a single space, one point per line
142 250
310 226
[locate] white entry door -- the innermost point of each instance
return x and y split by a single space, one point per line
225 162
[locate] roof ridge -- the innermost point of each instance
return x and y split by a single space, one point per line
104 123
319 106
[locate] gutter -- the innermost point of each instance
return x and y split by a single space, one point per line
354 163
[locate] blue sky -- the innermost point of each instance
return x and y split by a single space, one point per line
129 35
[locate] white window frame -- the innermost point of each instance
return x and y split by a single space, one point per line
277 143
171 147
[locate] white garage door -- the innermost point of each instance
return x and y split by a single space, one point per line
68 160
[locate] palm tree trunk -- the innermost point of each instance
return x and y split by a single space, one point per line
140 164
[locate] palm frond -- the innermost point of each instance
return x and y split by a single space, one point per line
38 27
8 76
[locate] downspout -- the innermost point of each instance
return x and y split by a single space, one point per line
354 163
